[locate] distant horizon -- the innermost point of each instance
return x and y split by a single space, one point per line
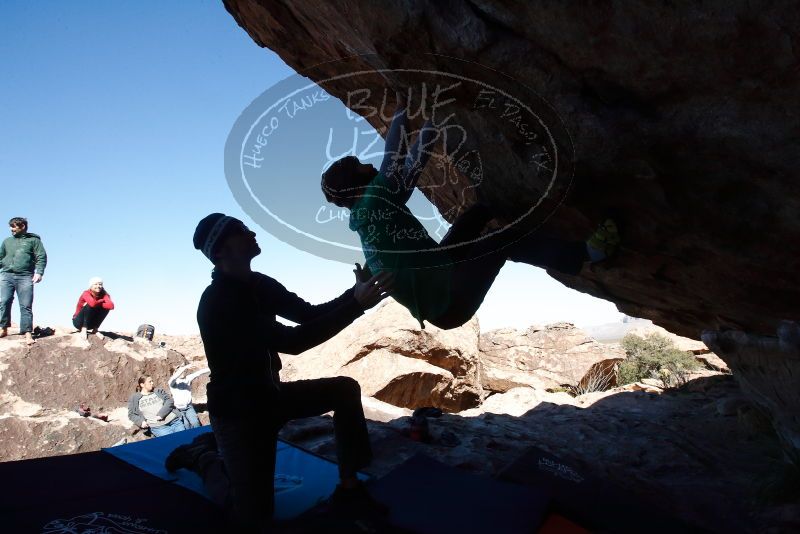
621 322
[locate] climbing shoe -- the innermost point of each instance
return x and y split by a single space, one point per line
186 456
604 242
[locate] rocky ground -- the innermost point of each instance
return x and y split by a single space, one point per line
701 452
41 386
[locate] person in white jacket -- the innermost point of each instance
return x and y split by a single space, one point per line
181 389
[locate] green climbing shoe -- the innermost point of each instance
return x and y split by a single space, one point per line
605 239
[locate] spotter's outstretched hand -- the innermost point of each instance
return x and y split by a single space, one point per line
362 275
370 291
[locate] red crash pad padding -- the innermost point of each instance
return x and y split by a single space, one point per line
558 524
592 502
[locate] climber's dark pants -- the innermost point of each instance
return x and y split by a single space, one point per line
477 264
248 444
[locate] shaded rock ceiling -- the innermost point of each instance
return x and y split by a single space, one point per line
680 119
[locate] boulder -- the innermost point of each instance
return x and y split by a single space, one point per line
396 362
651 126
767 369
376 410
679 119
518 401
695 346
57 433
190 347
60 372
701 471
552 356
41 385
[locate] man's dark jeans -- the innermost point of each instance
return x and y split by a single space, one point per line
23 285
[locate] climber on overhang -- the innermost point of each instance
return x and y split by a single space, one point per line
443 283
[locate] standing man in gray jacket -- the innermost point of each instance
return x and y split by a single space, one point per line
22 263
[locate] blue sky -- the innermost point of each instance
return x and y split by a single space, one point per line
113 121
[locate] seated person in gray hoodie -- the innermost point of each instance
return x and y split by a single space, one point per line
154 409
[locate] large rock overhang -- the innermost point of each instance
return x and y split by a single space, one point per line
683 121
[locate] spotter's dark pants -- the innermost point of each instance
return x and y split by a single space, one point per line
243 480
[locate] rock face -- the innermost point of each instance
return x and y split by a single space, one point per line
190 347
686 344
103 375
40 387
57 433
701 471
679 119
768 370
541 357
671 131
396 362
674 132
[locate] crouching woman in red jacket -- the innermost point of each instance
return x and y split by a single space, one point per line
93 306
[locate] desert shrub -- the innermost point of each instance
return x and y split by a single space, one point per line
655 356
599 378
